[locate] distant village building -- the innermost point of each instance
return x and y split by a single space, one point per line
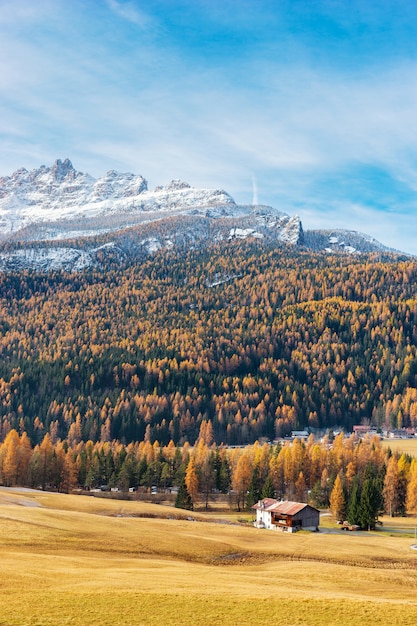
402 433
286 516
303 435
392 433
362 431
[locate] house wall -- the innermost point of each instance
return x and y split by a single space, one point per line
263 519
307 519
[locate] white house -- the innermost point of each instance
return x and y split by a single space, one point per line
286 516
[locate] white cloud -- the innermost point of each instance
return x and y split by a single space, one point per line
130 12
158 112
14 13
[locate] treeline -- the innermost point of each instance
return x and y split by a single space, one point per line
257 340
358 479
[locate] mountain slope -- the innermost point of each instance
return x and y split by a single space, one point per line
59 218
180 232
340 240
259 339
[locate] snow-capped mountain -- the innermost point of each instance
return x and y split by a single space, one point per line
53 205
58 202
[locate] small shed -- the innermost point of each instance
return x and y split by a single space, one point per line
286 516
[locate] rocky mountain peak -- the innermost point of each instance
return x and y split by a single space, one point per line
61 169
35 203
174 185
119 185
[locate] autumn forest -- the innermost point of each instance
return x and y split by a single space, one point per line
249 344
259 342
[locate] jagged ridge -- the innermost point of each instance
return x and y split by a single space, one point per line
48 203
58 203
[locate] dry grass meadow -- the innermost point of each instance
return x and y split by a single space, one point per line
85 561
409 446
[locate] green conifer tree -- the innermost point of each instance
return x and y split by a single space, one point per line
353 509
268 490
370 503
254 492
183 499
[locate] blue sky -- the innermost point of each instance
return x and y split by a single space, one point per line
315 101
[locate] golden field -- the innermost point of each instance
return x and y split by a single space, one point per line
81 561
409 446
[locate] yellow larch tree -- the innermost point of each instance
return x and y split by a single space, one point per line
391 485
191 480
337 499
10 458
411 502
241 479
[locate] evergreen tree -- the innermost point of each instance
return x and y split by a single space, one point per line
353 508
223 476
93 478
254 492
183 499
370 503
268 490
317 497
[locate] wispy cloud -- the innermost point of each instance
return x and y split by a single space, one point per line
130 12
327 142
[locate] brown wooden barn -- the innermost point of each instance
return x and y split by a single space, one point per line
286 516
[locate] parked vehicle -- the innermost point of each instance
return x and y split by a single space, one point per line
347 526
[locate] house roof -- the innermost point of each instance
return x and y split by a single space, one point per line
285 508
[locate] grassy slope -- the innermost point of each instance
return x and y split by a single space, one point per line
75 560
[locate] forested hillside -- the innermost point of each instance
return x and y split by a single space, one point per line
257 340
